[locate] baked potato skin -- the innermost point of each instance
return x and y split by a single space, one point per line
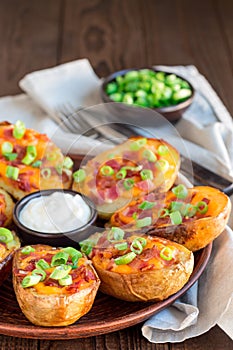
197 234
6 208
6 258
51 309
31 178
149 285
194 233
162 181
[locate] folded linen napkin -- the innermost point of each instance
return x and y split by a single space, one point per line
76 83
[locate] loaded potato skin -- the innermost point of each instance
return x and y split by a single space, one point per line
54 300
30 161
9 243
136 167
140 268
194 220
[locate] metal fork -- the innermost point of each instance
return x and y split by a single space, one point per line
83 121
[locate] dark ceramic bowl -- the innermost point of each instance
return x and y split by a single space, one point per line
171 113
70 238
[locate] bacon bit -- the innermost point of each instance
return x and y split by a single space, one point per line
8 133
89 275
206 200
113 163
138 264
149 267
145 185
51 283
2 219
111 193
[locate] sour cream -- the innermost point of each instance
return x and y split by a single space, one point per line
55 213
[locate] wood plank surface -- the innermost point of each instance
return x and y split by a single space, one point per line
113 35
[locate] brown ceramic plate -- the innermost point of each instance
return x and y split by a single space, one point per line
107 314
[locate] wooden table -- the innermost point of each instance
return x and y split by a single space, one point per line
113 35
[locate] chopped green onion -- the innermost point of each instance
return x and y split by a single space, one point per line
162 165
73 253
128 184
180 191
149 155
60 272
121 246
135 215
46 173
68 163
202 207
176 218
133 168
12 172
142 240
86 246
166 254
30 156
111 156
19 129
136 145
162 150
79 175
10 156
42 264
147 174
125 259
60 258
115 234
5 235
65 281
59 168
7 147
163 213
39 272
11 244
106 170
146 205
27 250
174 206
188 210
144 222
37 164
30 281
121 174
136 246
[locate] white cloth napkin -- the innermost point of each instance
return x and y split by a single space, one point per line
77 84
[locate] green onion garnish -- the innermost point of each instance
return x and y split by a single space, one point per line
176 218
180 191
142 240
166 254
73 253
46 173
149 155
7 147
10 156
27 250
111 156
188 210
19 129
30 281
135 215
136 145
174 206
60 258
5 235
42 264
136 246
128 184
121 246
144 222
162 165
125 259
12 172
39 272
147 174
37 164
86 246
162 150
121 174
60 272
106 170
115 234
65 281
30 156
79 175
68 163
146 205
202 207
